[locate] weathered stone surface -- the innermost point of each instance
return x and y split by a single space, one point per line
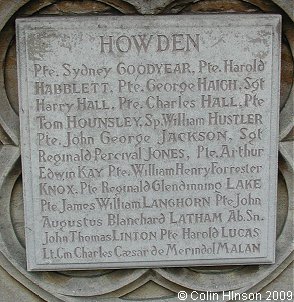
146 143
133 284
11 290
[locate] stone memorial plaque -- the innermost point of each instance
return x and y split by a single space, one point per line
149 141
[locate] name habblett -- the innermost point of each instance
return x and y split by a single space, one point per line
143 43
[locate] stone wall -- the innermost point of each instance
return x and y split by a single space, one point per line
16 284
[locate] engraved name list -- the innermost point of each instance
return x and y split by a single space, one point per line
149 141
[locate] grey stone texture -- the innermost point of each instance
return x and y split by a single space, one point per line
149 141
153 284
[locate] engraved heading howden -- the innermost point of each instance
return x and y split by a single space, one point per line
149 141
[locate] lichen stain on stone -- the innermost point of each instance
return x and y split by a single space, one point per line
64 42
259 40
38 45
264 33
262 41
261 54
70 41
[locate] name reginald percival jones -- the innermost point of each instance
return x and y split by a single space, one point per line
149 141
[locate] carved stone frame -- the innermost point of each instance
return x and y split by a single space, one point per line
155 284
